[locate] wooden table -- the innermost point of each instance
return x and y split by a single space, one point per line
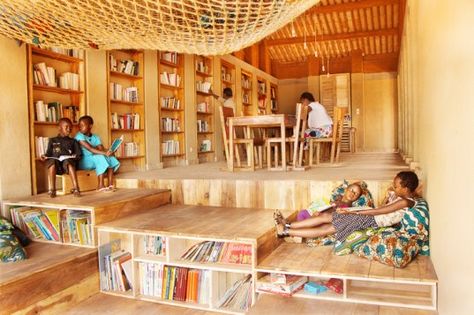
282 121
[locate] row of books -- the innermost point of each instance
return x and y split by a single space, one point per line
226 76
119 93
170 124
154 245
205 146
67 226
125 121
203 107
202 125
53 111
273 104
171 57
126 66
44 75
246 83
246 98
201 66
128 149
239 296
224 252
261 101
174 283
262 88
117 271
76 53
203 86
170 147
170 102
41 145
173 79
273 92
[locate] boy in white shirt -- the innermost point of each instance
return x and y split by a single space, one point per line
227 100
319 122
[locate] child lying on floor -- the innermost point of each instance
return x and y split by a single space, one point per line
343 223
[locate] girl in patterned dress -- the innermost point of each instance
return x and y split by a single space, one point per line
344 222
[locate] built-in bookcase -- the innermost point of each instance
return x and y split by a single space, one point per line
56 89
126 106
247 97
262 96
204 108
172 106
273 98
191 272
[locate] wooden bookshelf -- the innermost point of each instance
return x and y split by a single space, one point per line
126 106
171 107
262 92
47 103
273 98
204 108
247 97
222 258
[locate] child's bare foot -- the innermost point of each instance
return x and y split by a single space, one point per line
52 193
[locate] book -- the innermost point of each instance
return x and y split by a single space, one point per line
319 205
293 284
62 157
116 144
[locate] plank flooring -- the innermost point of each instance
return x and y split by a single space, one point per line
200 221
267 304
300 258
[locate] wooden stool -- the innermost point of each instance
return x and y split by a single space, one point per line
87 180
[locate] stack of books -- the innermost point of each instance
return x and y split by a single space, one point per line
285 285
124 66
170 147
202 125
171 57
37 223
203 107
41 145
205 146
154 245
172 79
170 102
203 86
170 124
117 271
125 121
128 149
118 93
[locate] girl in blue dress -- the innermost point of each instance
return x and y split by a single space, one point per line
94 155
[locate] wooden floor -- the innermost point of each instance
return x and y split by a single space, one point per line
299 258
200 221
367 166
267 305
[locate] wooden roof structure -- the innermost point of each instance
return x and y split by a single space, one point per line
337 31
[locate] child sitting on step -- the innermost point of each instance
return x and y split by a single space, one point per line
343 222
61 157
95 156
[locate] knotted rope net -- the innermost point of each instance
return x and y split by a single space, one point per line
206 27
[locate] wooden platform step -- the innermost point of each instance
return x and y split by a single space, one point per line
365 281
54 277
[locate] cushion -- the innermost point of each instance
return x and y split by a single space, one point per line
10 248
357 238
397 248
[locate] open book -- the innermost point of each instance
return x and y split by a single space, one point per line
62 157
319 205
116 144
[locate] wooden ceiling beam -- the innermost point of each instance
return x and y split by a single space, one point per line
327 38
349 6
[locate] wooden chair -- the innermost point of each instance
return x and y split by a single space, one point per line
334 140
296 141
226 113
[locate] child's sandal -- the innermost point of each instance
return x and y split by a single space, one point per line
75 192
104 189
278 217
282 231
111 188
52 193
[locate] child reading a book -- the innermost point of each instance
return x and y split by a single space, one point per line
95 156
344 222
61 157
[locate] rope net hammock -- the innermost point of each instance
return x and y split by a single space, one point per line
205 27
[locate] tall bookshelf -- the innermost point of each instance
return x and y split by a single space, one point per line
246 79
262 96
273 98
171 104
227 76
55 90
204 109
126 106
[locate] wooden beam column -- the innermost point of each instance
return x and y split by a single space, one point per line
314 69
